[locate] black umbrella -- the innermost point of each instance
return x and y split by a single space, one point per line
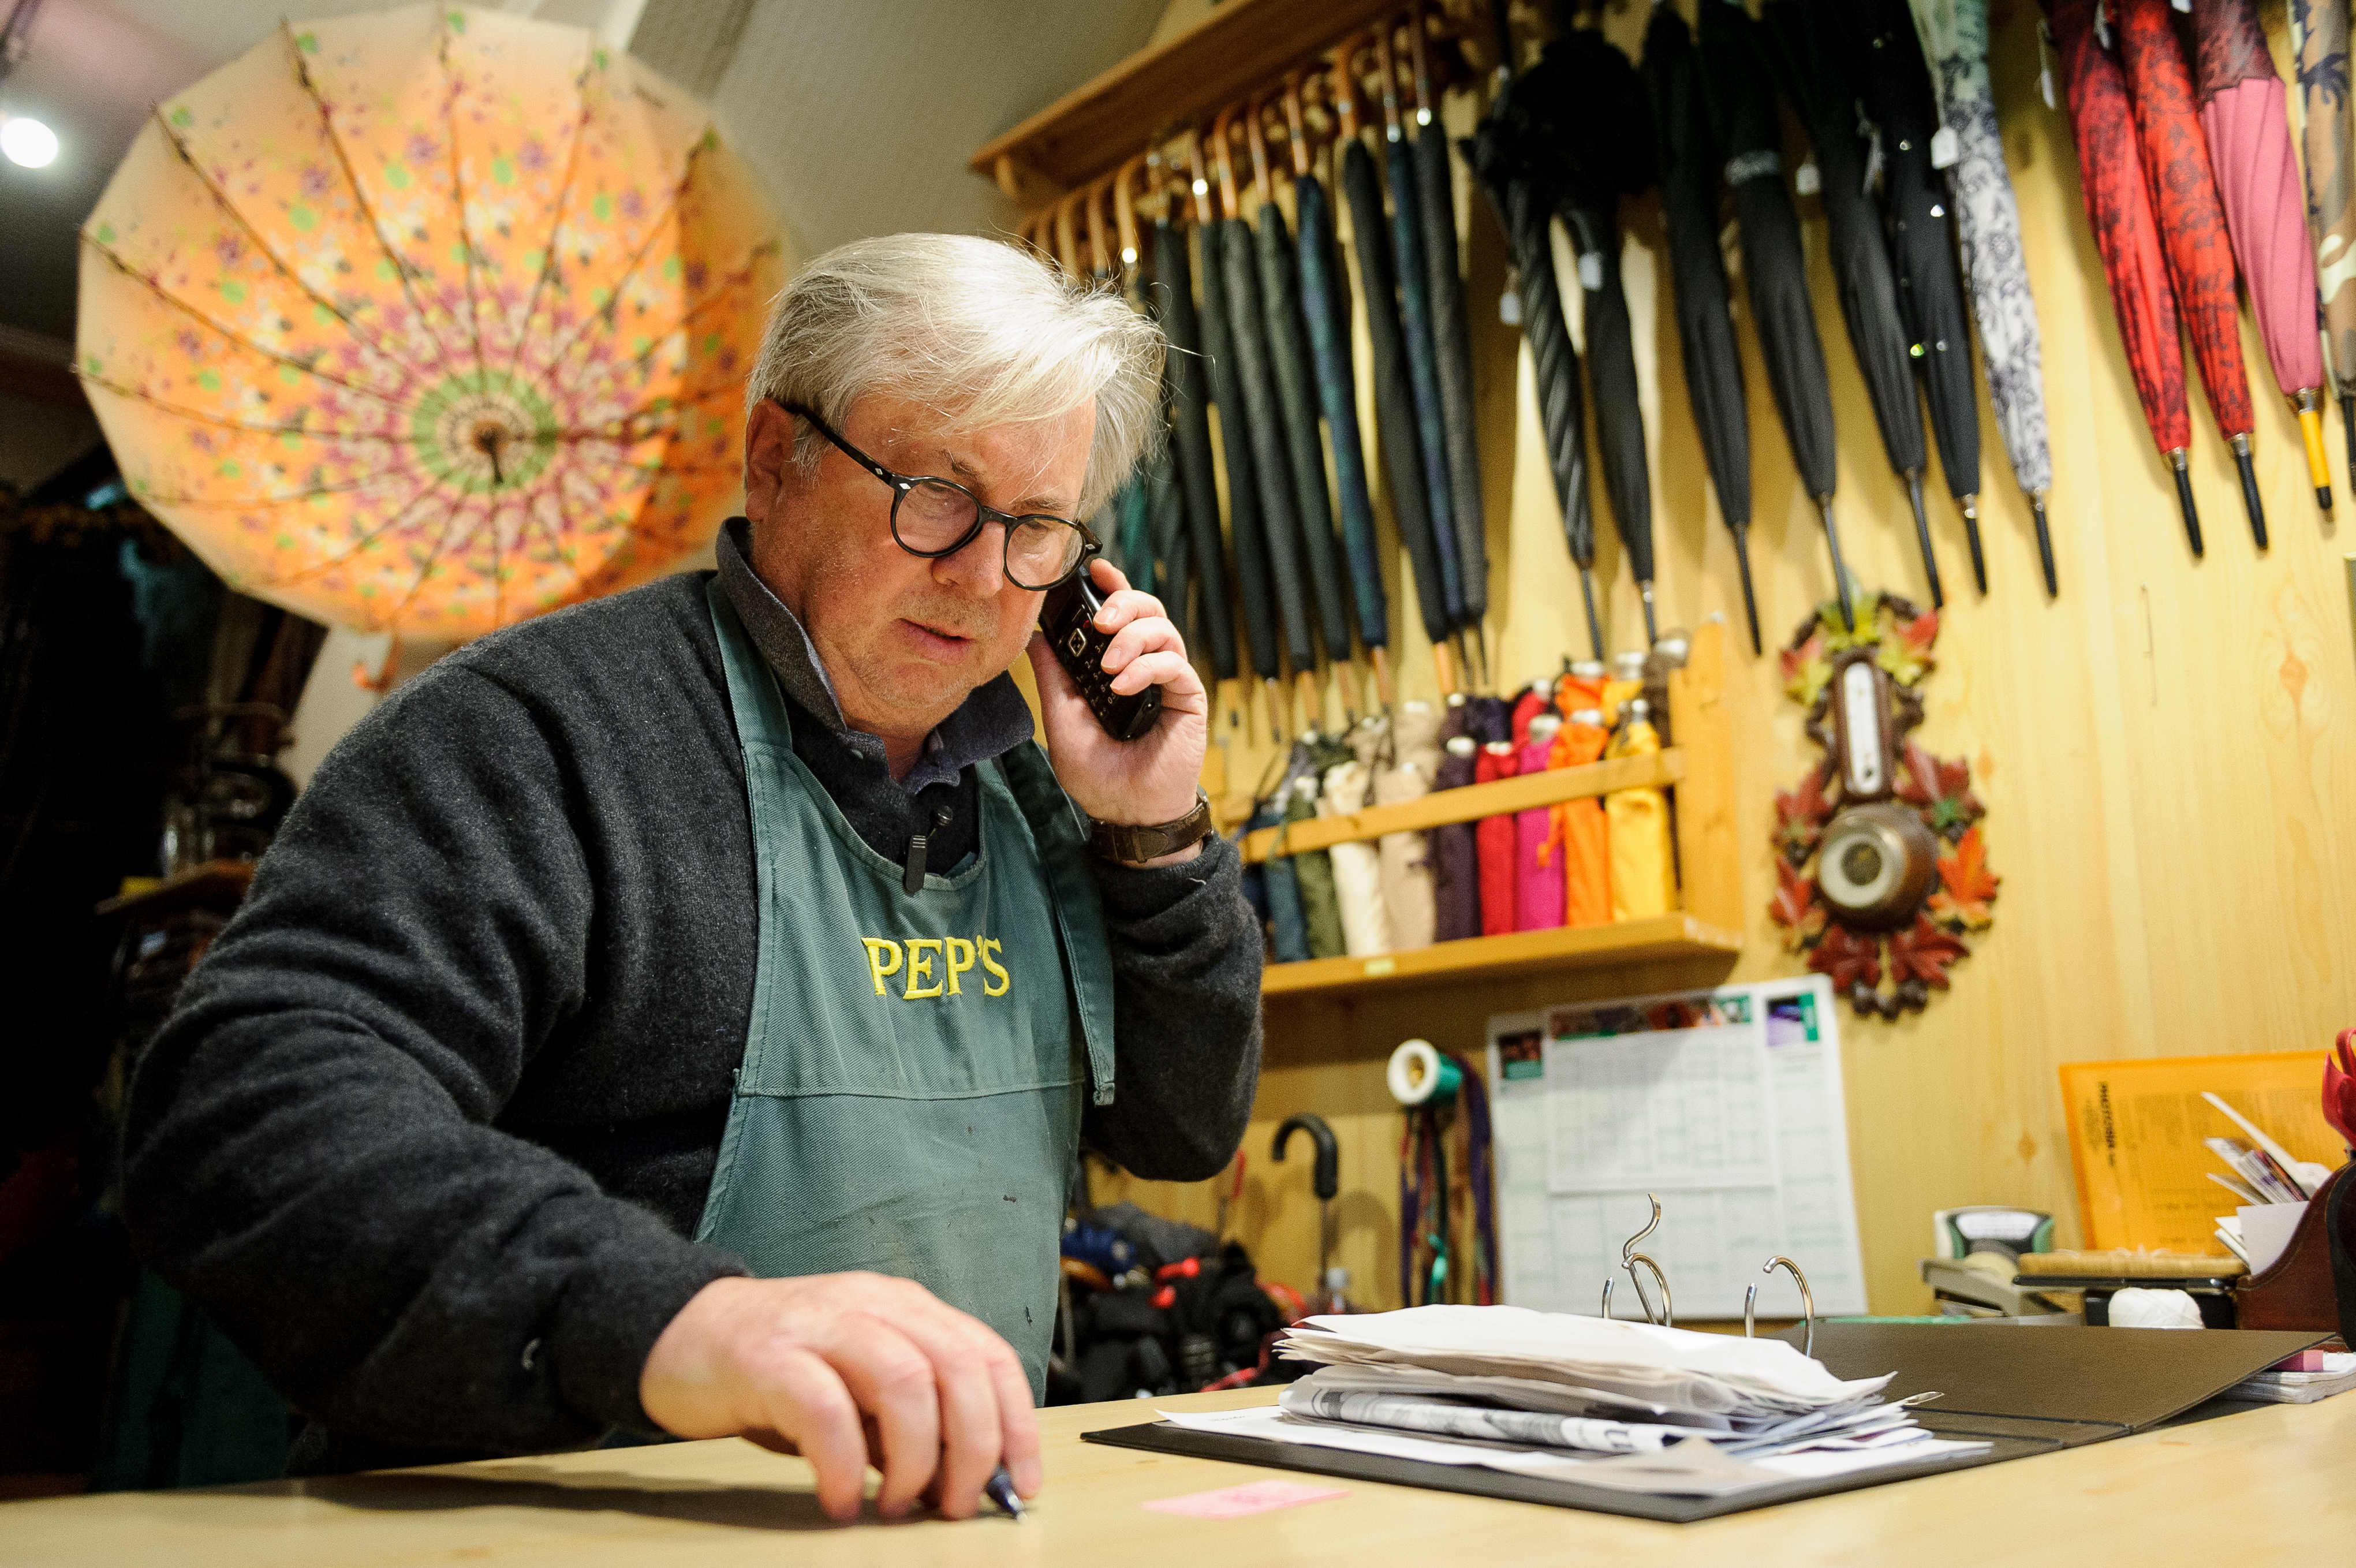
1263 414
1795 39
1297 397
1451 348
1688 162
1325 309
1190 438
1509 155
1741 108
1886 70
1245 524
1394 407
1416 334
1595 105
1164 505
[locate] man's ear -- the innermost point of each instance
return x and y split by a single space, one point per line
768 449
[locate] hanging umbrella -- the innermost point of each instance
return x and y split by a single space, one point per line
1130 544
2318 31
1893 88
1451 349
1741 107
1248 533
1510 154
356 398
1172 549
1326 308
1688 165
1263 415
2126 232
1416 334
2192 224
1296 397
1595 112
1190 437
1953 35
2257 179
1394 422
1798 44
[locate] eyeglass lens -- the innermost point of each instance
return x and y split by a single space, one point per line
933 516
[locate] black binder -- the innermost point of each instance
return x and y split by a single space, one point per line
2024 1391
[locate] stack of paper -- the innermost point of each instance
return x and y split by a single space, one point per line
2335 1375
1590 1400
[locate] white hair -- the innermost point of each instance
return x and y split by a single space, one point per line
985 334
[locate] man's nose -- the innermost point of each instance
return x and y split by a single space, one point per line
980 568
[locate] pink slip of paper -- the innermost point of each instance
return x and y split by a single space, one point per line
1255 1497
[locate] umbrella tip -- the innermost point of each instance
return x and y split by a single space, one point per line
2323 498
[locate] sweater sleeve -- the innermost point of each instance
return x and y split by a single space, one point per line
1186 1031
311 1149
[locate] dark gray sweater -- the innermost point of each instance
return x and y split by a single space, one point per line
432 1126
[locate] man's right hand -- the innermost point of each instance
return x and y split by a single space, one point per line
848 1370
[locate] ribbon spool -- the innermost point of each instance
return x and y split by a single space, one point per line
1419 1075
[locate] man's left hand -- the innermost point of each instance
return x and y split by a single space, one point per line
1150 780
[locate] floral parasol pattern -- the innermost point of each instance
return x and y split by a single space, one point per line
428 320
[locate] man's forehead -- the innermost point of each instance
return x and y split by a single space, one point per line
1023 455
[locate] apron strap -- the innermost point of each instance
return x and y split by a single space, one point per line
1062 836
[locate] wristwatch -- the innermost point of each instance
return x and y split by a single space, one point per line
1135 845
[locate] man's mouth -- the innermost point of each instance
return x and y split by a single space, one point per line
944 642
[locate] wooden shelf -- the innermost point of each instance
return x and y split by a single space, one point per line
216 884
1492 958
1089 131
1470 803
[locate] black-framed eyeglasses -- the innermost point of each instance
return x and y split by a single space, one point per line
932 518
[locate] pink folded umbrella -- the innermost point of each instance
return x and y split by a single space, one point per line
1537 862
2243 109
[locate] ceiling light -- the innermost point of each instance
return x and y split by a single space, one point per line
27 142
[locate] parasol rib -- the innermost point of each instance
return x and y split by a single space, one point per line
548 267
458 189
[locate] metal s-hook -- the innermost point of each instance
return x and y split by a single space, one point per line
1628 1259
1807 1302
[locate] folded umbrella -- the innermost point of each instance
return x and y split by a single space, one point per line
1595 107
1954 35
2192 224
1798 42
1296 402
1263 416
1451 349
1165 501
1741 108
1325 311
1893 86
1416 334
1688 162
1395 423
1254 586
2257 179
1190 439
1511 157
1137 547
2126 232
2319 32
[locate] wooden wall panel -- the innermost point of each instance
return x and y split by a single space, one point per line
2157 748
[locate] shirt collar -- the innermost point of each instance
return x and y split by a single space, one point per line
992 720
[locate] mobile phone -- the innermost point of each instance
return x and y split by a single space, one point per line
1068 616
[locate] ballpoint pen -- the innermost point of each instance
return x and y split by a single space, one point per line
999 1489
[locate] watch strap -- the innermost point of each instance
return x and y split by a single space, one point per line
1135 844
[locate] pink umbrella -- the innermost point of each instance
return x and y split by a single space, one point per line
2241 108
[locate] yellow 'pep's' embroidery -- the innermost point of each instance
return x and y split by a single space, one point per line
934 966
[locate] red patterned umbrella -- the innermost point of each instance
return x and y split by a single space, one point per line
2192 224
2242 109
2119 205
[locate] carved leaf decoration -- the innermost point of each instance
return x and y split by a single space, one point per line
1923 953
1858 632
1848 958
1905 650
1807 670
1794 907
1941 790
1800 817
1965 884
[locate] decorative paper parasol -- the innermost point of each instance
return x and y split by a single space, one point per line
427 321
2318 31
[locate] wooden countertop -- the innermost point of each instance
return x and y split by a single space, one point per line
2270 1486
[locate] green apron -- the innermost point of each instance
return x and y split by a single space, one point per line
910 1100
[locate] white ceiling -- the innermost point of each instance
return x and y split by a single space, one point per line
858 114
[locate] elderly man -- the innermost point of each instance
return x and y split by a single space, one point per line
678 1014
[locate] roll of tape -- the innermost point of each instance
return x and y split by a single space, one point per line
1419 1075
